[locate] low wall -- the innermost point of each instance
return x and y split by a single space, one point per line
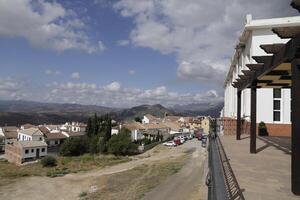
273 129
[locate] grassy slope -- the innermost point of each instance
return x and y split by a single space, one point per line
133 184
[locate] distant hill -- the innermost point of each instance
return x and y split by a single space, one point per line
21 112
212 110
139 111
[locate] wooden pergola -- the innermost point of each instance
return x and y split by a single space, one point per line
280 70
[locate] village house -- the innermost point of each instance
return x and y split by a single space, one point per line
150 119
70 134
10 133
205 125
137 130
31 134
73 127
154 130
19 152
274 106
27 126
52 138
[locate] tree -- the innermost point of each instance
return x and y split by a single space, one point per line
121 144
137 119
95 125
74 147
49 161
89 128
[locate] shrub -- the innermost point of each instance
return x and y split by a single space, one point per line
262 129
74 147
49 161
121 144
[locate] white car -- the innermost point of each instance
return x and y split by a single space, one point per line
182 139
170 144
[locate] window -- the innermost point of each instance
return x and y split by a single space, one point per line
43 149
40 139
276 105
277 93
26 151
56 142
32 150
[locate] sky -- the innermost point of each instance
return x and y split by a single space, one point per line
122 53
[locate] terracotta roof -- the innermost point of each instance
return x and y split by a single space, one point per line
27 126
172 125
73 134
31 143
31 131
10 132
134 126
55 136
155 126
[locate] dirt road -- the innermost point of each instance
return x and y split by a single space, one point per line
70 186
186 184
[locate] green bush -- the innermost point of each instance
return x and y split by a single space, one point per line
262 129
74 147
121 144
49 161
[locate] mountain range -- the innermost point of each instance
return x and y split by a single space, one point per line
20 112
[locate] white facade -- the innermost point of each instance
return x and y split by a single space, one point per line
270 109
34 152
145 120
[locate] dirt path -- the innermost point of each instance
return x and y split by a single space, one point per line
187 184
70 186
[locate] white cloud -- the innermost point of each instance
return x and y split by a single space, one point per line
52 72
123 42
131 72
115 95
201 33
113 87
75 75
45 25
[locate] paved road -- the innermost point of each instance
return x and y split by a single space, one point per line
187 184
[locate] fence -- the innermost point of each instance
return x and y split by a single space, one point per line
221 181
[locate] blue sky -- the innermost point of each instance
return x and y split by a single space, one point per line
121 53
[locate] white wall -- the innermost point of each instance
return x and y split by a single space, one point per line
33 154
145 120
264 96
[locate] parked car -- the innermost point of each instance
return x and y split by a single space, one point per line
170 144
199 135
190 136
177 141
204 140
182 139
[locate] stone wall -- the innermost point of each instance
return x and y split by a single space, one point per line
13 154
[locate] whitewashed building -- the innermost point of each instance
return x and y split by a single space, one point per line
31 134
274 107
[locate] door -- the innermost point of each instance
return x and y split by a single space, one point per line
37 153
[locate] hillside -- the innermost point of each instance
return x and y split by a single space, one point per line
139 111
21 112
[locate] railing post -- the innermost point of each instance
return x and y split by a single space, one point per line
238 122
253 118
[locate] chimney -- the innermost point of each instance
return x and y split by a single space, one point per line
248 18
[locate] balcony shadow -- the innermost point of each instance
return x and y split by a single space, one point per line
280 143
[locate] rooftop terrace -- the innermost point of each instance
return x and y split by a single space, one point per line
265 175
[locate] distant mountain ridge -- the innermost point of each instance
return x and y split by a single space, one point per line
21 112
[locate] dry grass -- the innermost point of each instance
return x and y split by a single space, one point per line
133 184
10 172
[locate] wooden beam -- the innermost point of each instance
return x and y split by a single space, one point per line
287 32
295 126
271 48
262 59
238 123
255 67
243 77
278 72
248 72
253 119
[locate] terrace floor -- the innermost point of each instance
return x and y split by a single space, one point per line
265 175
